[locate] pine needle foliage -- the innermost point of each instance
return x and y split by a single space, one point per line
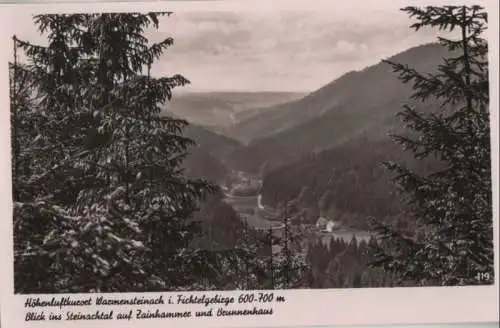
452 206
100 200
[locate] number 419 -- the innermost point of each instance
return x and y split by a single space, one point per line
482 276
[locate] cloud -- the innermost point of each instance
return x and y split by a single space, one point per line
294 50
269 49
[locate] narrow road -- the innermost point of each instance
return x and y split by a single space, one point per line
259 217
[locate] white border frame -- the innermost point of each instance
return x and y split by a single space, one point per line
303 307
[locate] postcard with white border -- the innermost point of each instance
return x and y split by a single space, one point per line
249 163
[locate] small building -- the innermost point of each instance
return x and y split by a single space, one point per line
321 223
326 225
332 225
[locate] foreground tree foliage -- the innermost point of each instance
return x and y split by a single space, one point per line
234 258
100 201
288 263
452 206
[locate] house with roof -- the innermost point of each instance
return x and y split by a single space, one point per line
326 225
321 223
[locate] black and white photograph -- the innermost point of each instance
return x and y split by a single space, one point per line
239 150
169 151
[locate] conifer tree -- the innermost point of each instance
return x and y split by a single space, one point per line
41 148
451 206
288 266
252 273
104 205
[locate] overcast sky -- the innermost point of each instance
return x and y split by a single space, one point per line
276 50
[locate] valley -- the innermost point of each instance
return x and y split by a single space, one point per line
325 150
313 158
265 218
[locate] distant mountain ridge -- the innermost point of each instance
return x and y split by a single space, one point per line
341 91
218 111
358 103
274 119
334 161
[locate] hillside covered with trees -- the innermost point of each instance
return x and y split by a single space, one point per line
356 104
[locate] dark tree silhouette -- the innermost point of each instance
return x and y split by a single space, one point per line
100 201
451 206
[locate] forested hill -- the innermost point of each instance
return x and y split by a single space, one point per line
218 111
210 157
218 145
334 162
348 183
353 105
